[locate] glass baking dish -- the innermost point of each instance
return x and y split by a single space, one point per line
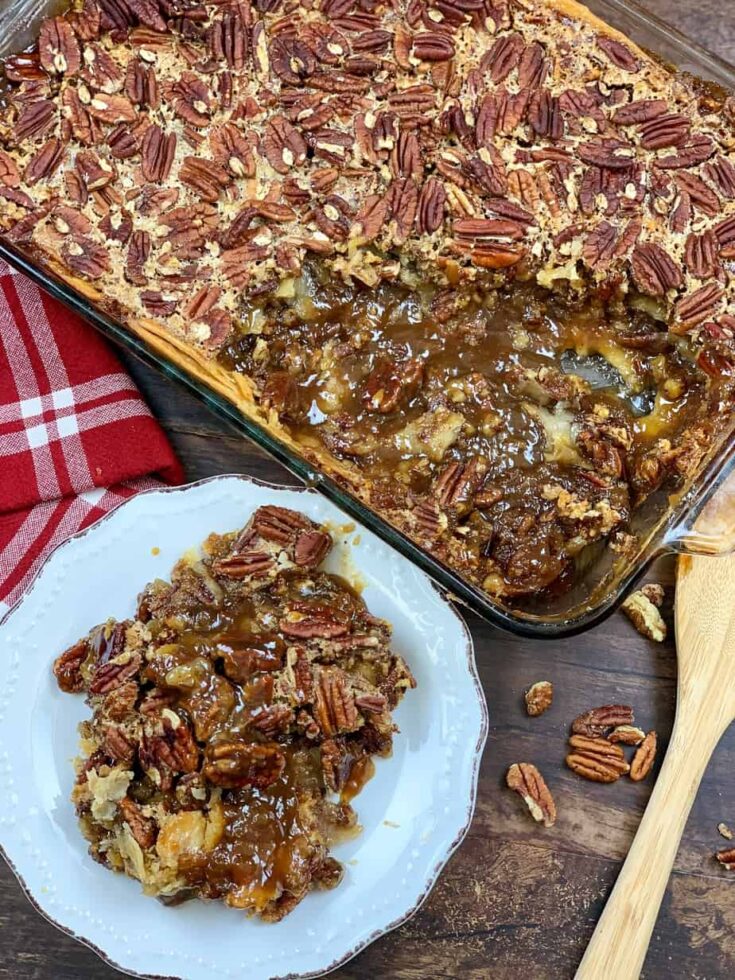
699 519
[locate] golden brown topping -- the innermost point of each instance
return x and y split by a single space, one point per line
527 781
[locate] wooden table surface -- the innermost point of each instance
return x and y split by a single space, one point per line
516 900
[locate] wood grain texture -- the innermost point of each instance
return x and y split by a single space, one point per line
516 900
705 707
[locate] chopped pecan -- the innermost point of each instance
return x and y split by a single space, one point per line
142 828
596 759
235 764
599 721
67 667
643 758
334 704
539 697
725 831
527 781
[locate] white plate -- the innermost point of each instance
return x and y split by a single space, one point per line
415 811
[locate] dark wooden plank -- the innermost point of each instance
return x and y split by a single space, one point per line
516 900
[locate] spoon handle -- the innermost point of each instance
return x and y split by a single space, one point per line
619 944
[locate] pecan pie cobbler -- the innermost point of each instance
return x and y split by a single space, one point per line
472 258
233 720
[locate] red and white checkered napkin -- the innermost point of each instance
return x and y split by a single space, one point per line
76 439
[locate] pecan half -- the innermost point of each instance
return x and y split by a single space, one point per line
643 758
236 764
527 781
621 56
596 759
312 547
87 258
112 108
334 704
157 152
117 746
538 698
58 47
391 384
206 177
599 721
654 271
272 719
283 146
107 676
316 622
142 828
245 564
67 668
45 162
279 524
727 858
698 307
626 735
174 749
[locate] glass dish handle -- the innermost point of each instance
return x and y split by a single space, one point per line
711 530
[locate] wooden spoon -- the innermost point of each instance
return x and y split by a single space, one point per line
705 706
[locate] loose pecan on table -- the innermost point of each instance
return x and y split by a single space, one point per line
538 698
527 781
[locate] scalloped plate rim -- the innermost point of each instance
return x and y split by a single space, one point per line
431 877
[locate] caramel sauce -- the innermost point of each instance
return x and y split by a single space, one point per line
267 844
484 368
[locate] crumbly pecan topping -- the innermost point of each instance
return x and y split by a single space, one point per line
464 137
212 731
